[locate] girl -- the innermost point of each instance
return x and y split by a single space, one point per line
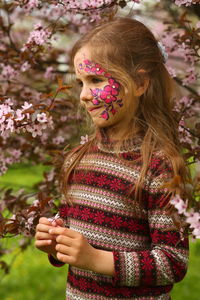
120 239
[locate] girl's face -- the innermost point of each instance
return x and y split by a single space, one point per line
101 94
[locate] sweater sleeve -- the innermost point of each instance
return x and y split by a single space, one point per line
55 262
165 262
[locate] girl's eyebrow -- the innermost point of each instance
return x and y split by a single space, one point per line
90 76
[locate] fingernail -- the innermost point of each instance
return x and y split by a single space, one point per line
50 230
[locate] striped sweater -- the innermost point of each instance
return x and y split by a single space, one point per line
149 254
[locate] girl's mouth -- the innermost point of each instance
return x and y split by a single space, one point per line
94 108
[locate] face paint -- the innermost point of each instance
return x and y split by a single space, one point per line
108 95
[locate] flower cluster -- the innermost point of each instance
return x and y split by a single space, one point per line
24 221
84 139
192 217
31 4
186 104
185 2
10 157
7 72
37 37
184 133
23 119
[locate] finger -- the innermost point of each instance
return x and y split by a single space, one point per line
64 240
44 236
64 231
63 249
63 258
42 243
43 228
44 220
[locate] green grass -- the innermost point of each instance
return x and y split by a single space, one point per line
22 176
188 288
32 277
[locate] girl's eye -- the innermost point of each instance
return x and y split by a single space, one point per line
80 83
96 80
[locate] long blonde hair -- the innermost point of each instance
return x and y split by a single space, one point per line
124 46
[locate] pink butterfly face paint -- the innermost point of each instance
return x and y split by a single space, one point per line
109 94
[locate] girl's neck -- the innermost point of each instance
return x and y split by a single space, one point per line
111 141
120 134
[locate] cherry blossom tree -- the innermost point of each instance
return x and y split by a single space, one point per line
39 112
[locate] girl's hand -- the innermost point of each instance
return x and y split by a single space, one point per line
43 240
73 249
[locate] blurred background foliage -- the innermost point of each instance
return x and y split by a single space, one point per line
32 277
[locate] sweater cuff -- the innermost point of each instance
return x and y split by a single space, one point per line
116 278
55 262
126 269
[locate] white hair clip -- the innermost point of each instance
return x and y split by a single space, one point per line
163 51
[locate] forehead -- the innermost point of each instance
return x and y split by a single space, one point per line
81 55
84 65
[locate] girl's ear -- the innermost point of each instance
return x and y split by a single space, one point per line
142 83
140 90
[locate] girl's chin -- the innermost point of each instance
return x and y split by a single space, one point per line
102 123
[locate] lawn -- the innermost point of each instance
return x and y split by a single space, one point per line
32 277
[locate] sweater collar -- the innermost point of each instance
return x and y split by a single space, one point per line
106 144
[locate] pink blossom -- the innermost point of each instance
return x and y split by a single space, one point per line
42 118
185 2
179 204
9 160
19 116
196 231
15 153
26 66
31 4
172 71
58 140
192 218
183 103
169 41
36 202
10 124
63 118
8 72
49 73
35 130
186 52
8 101
185 136
27 105
39 36
84 139
191 76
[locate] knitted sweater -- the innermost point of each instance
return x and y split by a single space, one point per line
149 254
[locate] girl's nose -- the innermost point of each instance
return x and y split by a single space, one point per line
86 94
